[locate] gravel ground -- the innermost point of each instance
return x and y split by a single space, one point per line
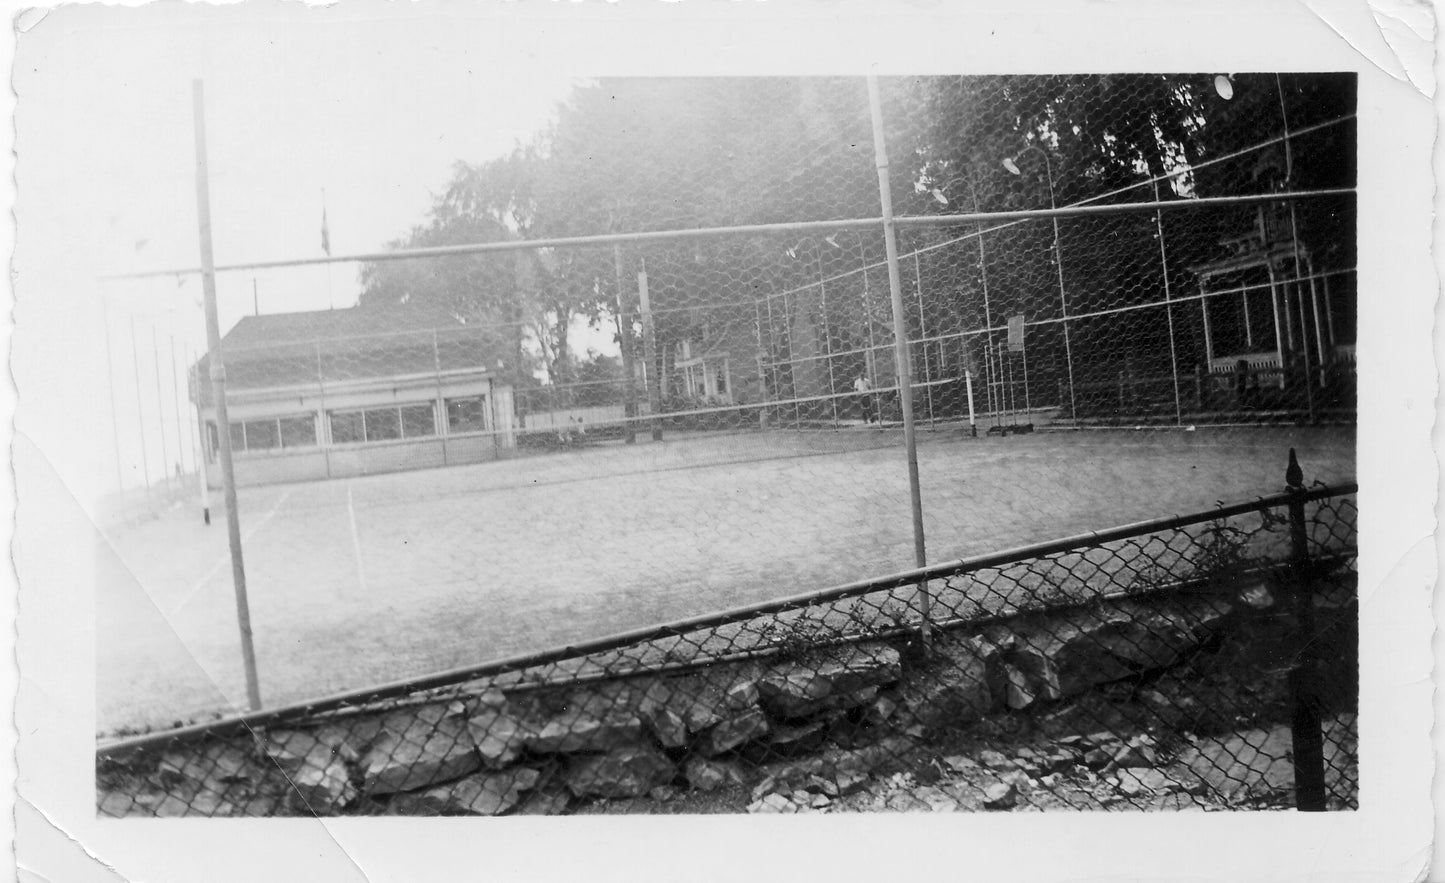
361 581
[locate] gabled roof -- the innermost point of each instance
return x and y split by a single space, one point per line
277 328
300 349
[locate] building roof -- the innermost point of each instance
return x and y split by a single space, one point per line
313 325
299 349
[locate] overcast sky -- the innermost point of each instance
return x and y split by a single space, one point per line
374 102
372 109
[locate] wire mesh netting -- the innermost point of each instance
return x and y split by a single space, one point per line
658 363
1145 667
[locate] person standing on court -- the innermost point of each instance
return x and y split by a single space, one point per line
861 386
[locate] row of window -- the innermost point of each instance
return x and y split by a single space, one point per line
383 424
365 425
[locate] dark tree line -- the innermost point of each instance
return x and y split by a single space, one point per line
630 155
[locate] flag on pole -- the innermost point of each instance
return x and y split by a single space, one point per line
325 233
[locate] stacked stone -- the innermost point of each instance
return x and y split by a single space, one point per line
730 724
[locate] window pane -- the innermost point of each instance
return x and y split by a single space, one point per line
346 427
238 437
382 424
466 415
261 434
417 421
213 439
298 432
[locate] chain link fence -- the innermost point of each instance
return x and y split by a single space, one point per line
153 434
660 362
1188 662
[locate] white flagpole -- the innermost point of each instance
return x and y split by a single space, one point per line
326 247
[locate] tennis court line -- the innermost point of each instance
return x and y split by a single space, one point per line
226 558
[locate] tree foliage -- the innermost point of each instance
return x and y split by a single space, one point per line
631 155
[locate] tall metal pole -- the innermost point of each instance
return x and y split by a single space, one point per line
968 386
140 411
1063 297
1169 312
900 346
773 359
1324 355
1248 328
870 361
202 456
988 379
180 421
923 337
202 480
1278 323
650 356
218 387
762 374
440 408
1024 357
1011 394
114 417
987 312
624 331
827 336
1304 346
1329 313
1285 286
160 404
792 364
323 424
1208 339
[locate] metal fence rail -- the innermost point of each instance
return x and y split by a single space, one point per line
1203 660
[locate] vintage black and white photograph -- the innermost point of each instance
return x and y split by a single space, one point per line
469 424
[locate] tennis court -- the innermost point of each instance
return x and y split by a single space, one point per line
366 580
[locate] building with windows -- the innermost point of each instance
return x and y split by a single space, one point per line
339 393
727 359
1272 322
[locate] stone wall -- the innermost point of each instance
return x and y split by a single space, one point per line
834 712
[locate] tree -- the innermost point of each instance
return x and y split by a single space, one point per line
635 155
534 294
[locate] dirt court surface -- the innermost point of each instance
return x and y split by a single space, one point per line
361 581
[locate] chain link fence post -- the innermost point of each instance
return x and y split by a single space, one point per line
624 343
901 358
1305 728
653 362
217 370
